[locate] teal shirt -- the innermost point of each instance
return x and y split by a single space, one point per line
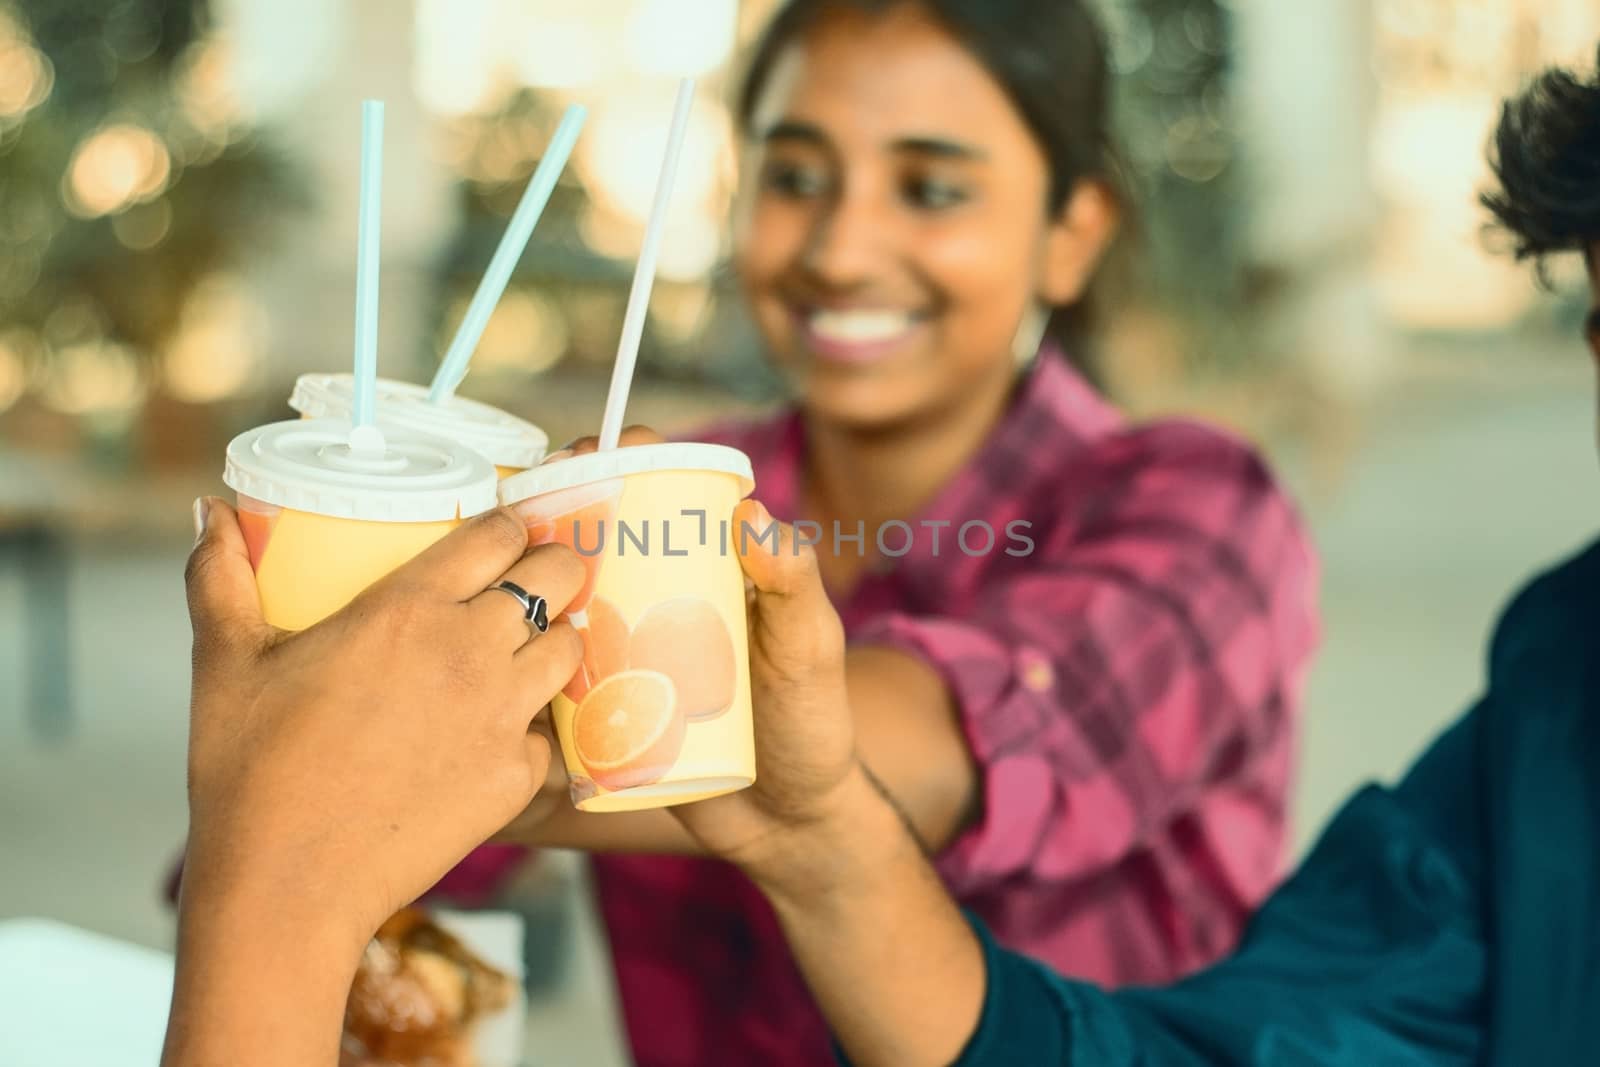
1453 919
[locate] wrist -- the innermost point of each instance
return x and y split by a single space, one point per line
227 894
241 921
262 976
842 850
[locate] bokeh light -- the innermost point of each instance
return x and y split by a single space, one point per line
1130 38
114 167
26 76
218 344
292 43
143 226
527 333
14 348
609 233
206 92
1431 269
1196 149
456 54
674 39
94 377
678 312
690 248
19 269
558 51
74 319
620 157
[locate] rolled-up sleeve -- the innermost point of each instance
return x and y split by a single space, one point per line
1142 653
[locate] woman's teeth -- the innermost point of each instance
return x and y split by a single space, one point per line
858 327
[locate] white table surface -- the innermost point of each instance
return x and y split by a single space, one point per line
69 997
72 998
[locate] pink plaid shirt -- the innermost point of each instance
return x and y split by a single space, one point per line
1129 690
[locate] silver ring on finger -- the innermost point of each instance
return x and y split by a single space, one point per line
535 611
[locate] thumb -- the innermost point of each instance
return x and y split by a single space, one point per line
793 621
224 606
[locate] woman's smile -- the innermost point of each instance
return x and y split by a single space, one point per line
857 335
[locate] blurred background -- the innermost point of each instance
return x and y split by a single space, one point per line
177 234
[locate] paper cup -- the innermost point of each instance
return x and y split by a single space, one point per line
659 712
322 524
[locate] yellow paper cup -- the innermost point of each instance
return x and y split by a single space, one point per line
322 523
510 443
659 712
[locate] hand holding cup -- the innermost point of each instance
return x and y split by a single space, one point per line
349 765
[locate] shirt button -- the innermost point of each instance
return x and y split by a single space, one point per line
1037 673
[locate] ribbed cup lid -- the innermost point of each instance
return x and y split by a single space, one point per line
507 440
620 462
308 465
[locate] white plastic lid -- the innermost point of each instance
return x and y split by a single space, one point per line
507 440
307 465
620 462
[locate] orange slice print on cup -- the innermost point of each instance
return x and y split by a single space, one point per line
686 639
605 648
629 729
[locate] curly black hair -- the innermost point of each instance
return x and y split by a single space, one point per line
1546 155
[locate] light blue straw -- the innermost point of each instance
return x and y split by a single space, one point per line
453 368
363 410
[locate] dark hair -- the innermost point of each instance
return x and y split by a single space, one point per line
1546 155
1050 58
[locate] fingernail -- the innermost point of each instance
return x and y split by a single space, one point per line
763 516
201 507
552 457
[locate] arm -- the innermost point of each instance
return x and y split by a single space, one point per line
1372 954
896 970
1143 658
257 981
279 899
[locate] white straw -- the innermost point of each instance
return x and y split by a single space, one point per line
644 274
453 368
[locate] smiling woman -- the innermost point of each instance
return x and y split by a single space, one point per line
1093 735
898 234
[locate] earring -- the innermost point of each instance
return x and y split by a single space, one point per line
1030 334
